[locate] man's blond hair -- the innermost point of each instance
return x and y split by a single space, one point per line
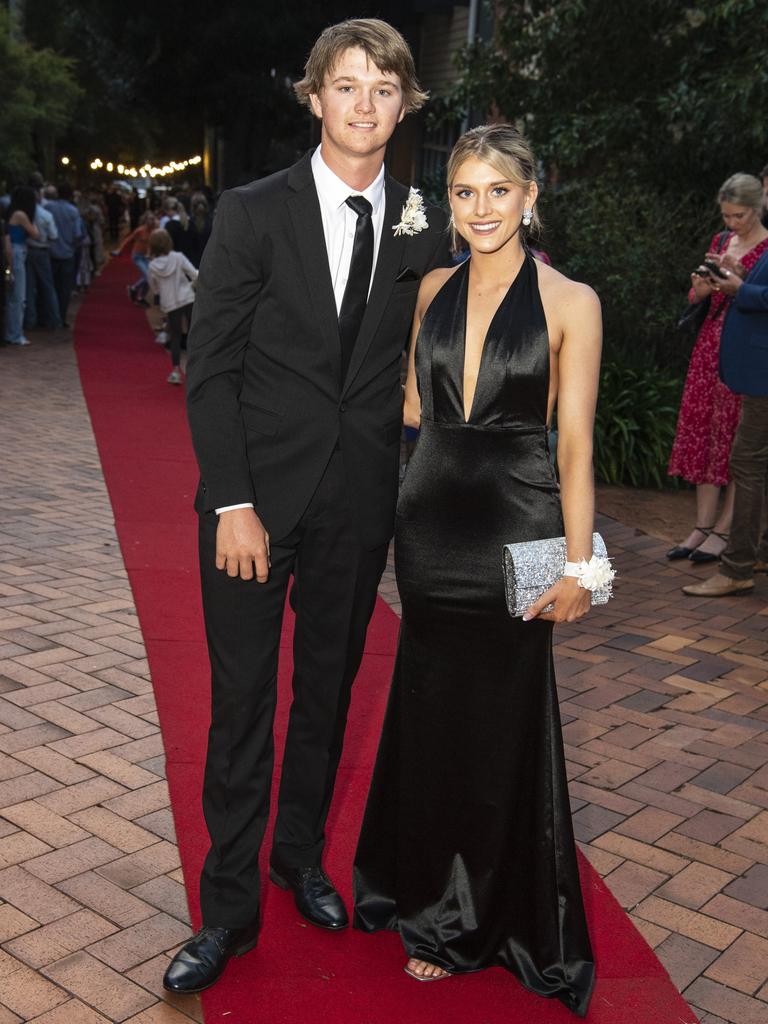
382 44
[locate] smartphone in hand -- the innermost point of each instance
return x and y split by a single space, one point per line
715 269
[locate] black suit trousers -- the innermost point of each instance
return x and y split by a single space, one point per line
335 583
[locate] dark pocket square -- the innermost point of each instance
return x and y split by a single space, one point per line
406 274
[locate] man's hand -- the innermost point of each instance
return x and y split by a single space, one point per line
729 284
241 543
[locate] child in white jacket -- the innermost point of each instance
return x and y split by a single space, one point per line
171 276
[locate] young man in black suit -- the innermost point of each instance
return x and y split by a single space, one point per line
305 300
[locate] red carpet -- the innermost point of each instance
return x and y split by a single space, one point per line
298 974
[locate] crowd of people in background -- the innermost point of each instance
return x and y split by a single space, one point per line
53 241
54 238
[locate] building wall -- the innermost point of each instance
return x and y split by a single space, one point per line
441 36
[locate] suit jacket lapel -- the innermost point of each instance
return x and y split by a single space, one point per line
387 263
304 208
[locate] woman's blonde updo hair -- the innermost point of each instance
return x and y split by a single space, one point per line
742 190
503 147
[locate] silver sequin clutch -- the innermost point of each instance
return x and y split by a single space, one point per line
533 566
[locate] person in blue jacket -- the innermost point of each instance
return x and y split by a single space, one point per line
744 368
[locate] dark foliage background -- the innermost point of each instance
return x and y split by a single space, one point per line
154 75
638 112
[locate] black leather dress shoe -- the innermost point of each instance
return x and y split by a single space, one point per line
201 961
314 894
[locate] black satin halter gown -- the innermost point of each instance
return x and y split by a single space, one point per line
467 846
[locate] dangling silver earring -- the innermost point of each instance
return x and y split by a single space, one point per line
527 217
452 229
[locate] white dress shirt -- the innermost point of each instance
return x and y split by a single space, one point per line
46 225
339 223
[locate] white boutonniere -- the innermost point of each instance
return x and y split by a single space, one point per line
413 217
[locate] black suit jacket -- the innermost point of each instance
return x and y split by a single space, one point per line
264 396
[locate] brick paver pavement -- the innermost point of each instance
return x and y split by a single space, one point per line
92 902
665 710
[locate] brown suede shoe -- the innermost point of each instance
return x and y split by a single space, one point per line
719 586
761 566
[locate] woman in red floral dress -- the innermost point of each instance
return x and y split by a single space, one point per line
709 411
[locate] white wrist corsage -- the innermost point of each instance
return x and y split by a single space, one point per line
413 217
595 574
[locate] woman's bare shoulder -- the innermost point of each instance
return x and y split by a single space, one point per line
431 284
562 292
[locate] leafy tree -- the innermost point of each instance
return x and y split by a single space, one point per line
668 94
638 112
155 76
39 93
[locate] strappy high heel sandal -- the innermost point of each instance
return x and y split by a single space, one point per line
426 977
707 556
676 553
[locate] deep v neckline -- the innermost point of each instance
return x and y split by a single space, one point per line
465 286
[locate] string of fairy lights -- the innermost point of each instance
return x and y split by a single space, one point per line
147 170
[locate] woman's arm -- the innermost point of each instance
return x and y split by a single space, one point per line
20 218
701 287
431 283
579 374
412 401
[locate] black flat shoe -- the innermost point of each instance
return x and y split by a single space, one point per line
679 552
201 961
316 899
676 553
701 557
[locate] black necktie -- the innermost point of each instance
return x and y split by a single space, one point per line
358 283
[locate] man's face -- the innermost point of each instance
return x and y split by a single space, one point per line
359 105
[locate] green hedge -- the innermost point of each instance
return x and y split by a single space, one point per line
636 249
635 425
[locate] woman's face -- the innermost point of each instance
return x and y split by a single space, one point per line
739 219
487 207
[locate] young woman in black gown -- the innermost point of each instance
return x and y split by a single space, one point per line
467 846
